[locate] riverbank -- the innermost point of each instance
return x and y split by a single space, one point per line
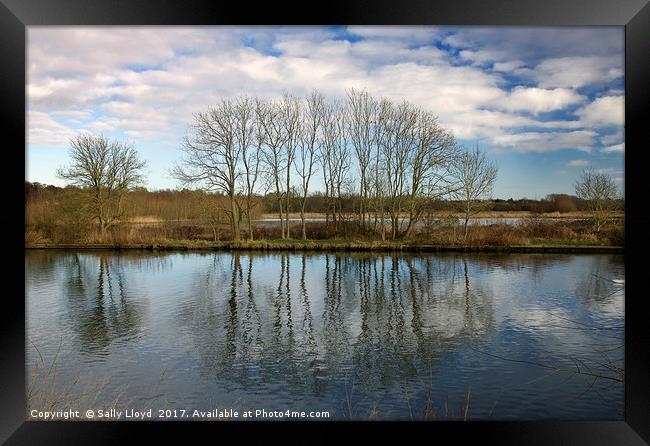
332 245
543 236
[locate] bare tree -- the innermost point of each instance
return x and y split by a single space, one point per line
402 156
290 113
380 183
362 110
309 147
269 119
599 191
399 122
335 155
212 155
107 170
475 176
249 138
377 182
212 212
430 161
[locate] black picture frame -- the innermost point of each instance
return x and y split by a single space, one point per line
16 15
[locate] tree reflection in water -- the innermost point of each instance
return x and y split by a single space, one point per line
339 331
99 305
384 320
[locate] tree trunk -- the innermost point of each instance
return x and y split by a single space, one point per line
302 217
250 225
286 200
286 212
281 217
410 226
235 220
466 221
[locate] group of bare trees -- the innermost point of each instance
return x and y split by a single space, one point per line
394 158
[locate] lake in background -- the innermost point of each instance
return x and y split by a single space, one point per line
360 335
484 221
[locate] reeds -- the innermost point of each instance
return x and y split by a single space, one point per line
46 393
532 231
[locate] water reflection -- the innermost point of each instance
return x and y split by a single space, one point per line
326 331
378 320
99 303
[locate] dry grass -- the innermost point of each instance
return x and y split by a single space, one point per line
35 237
45 394
429 411
446 233
477 236
579 231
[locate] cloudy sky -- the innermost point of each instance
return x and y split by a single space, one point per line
543 102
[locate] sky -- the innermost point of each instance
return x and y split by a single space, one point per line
542 102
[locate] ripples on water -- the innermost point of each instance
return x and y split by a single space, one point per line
395 337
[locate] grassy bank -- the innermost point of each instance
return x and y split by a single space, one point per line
278 245
533 233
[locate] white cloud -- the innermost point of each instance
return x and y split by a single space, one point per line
614 149
605 111
613 138
536 100
532 44
483 56
578 163
574 72
582 140
151 89
76 115
43 129
508 66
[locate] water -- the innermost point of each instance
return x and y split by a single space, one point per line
514 221
363 336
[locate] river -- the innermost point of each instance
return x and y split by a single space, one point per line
361 336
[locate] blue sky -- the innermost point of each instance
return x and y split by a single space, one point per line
542 102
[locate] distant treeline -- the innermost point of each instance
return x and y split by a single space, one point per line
188 204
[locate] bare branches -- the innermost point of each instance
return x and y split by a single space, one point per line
335 155
107 169
395 155
290 119
213 151
249 139
475 177
361 127
599 190
310 142
273 140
